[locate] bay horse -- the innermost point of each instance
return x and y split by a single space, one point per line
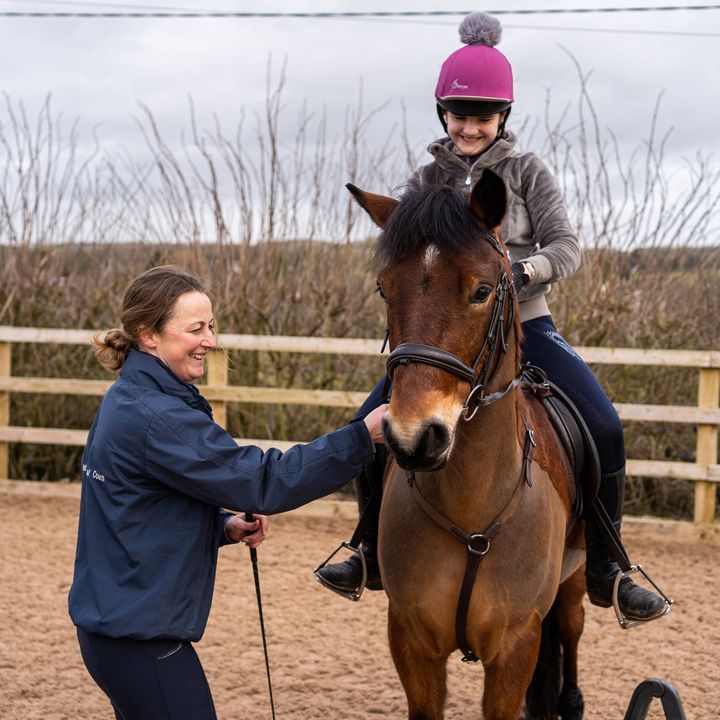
479 477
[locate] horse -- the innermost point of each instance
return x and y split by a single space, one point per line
478 547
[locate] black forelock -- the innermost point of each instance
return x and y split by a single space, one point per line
436 214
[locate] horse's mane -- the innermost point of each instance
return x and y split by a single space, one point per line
436 214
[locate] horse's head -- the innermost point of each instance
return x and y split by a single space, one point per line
446 280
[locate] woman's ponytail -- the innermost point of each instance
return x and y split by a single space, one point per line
112 349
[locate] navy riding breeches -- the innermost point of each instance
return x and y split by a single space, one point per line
148 679
543 346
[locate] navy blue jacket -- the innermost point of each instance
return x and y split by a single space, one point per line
156 471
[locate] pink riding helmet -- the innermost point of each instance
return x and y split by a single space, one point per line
476 79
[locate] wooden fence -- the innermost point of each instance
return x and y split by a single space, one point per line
704 472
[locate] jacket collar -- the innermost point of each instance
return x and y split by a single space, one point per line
443 152
146 370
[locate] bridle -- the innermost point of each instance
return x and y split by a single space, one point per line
486 363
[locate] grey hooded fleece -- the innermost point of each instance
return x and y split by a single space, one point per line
536 226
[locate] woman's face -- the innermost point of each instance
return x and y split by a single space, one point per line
188 336
472 134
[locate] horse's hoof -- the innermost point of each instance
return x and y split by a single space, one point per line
571 704
526 716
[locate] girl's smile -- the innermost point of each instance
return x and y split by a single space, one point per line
471 134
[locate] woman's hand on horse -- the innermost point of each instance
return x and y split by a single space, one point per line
251 533
373 422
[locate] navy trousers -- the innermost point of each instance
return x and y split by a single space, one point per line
544 346
148 679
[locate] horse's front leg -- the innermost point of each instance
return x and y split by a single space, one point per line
508 674
571 619
422 673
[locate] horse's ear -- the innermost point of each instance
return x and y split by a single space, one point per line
378 207
489 199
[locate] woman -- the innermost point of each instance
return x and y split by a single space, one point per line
474 95
157 472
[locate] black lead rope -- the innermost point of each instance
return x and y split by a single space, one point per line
256 575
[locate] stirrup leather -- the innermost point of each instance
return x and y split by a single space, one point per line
349 594
625 622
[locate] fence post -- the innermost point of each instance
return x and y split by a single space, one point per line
218 376
5 356
706 452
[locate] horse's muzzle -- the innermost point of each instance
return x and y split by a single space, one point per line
428 450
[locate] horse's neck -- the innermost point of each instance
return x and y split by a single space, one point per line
485 465
484 468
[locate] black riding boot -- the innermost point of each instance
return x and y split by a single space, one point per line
347 576
635 602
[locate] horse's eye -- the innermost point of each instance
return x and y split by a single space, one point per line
480 296
379 291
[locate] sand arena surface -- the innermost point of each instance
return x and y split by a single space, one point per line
329 656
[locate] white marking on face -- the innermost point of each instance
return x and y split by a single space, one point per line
431 254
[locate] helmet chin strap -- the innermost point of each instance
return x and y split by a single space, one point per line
501 128
441 114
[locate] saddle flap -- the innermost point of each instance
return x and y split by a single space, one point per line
573 434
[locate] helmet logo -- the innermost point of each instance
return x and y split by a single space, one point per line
457 85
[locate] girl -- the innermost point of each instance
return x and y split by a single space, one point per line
474 95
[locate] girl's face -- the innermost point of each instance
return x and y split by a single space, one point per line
188 336
471 134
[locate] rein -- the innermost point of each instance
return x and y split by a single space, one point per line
478 543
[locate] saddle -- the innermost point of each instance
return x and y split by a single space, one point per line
573 433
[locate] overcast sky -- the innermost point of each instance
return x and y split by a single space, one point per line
99 69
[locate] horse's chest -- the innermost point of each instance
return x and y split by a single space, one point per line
424 566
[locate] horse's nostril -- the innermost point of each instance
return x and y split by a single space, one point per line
434 440
424 452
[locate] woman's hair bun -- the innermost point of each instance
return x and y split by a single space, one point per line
112 349
479 28
117 340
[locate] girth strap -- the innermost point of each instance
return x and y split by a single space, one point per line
528 451
478 544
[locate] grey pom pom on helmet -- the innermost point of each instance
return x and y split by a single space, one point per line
476 80
479 28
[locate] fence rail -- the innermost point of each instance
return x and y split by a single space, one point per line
704 472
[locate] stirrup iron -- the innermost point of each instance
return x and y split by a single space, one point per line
626 623
349 594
